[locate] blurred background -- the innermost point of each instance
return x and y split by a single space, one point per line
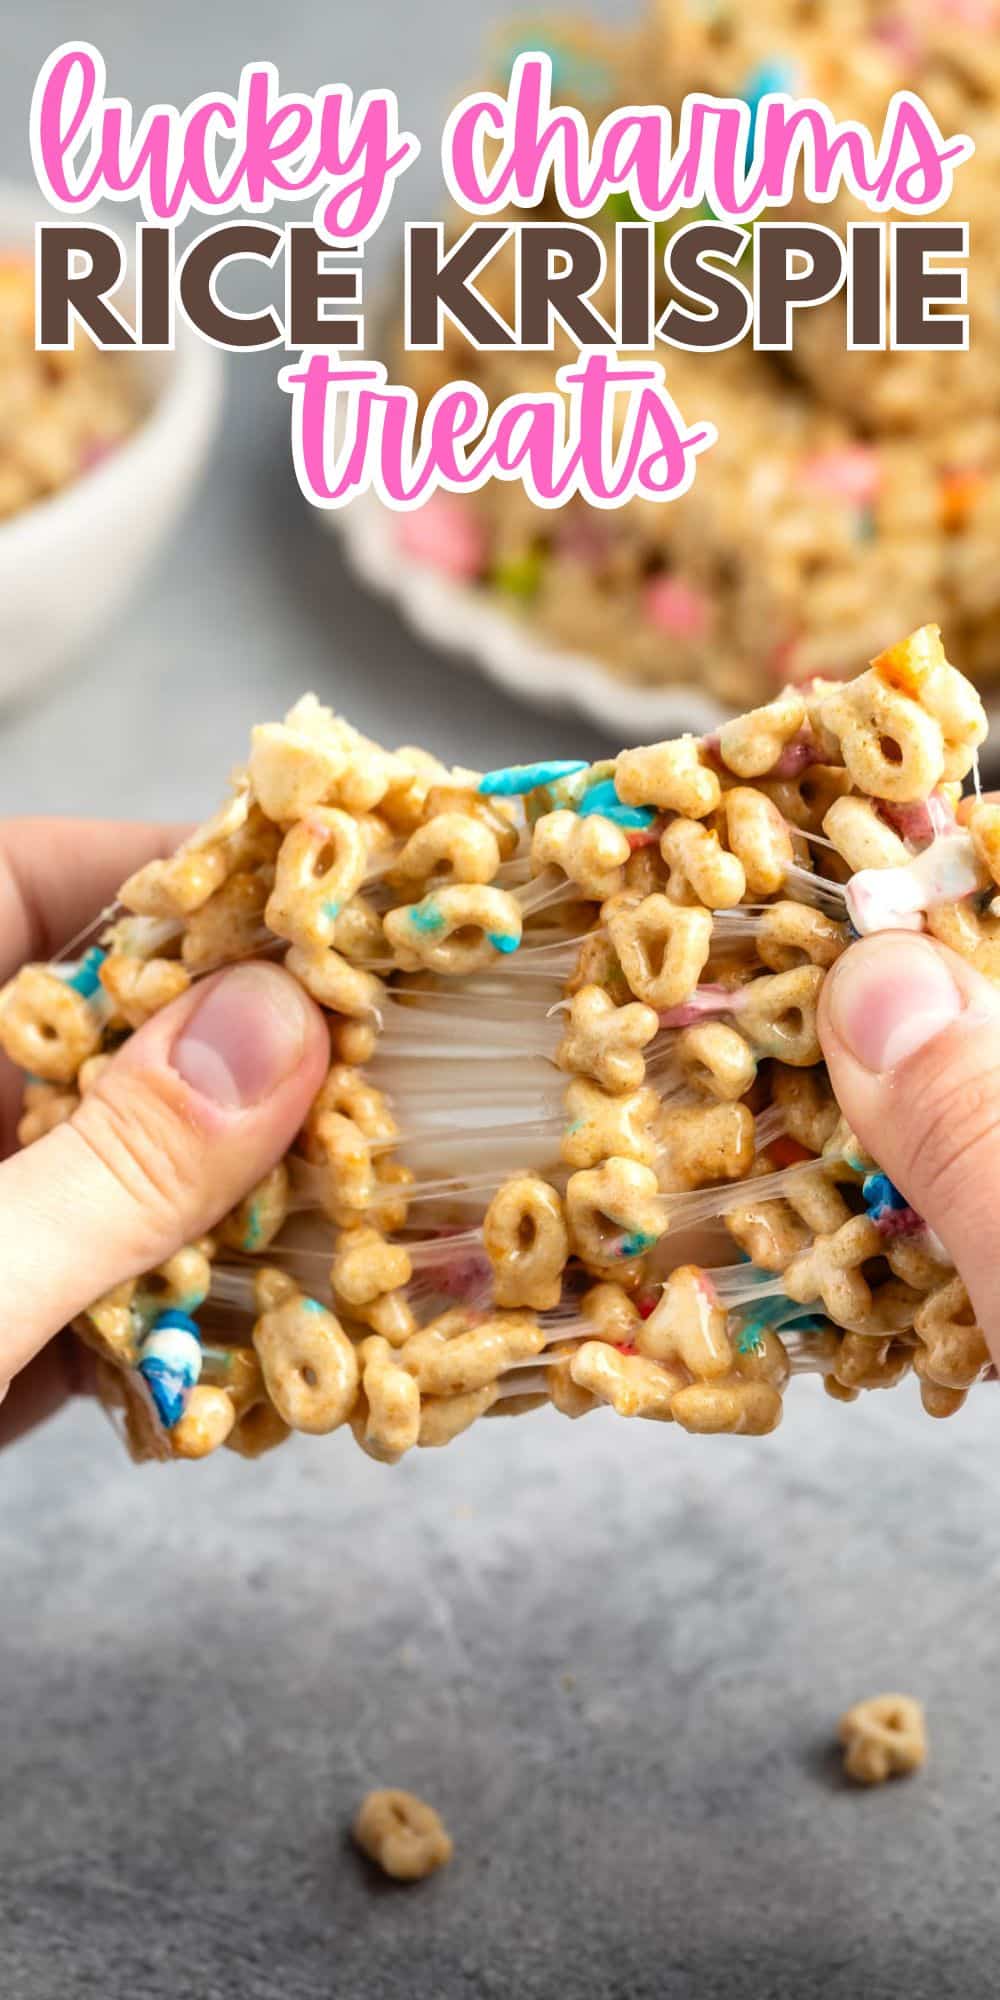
251 603
612 1657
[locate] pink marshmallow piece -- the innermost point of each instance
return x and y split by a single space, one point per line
704 1001
900 38
977 14
921 821
853 474
445 534
677 607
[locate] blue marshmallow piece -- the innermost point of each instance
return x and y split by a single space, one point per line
777 76
170 1363
426 918
512 781
87 977
636 1244
780 1315
602 798
880 1196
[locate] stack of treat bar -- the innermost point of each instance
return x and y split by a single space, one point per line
577 1144
850 495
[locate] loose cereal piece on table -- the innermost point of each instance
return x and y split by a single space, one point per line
403 1835
883 1737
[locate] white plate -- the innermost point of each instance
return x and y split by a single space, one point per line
468 623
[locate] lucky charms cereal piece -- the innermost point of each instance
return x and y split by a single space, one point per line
310 1367
457 1352
455 930
591 852
527 1243
386 1420
321 865
450 847
716 1059
599 1126
404 1836
632 1384
760 839
205 1423
752 745
47 1027
186 879
688 1326
673 777
701 870
883 1737
606 1042
663 947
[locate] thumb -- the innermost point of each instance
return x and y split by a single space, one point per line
194 1109
911 1035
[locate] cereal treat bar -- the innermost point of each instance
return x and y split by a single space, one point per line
799 549
854 55
851 495
60 413
577 1144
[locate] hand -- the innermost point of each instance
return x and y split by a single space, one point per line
192 1111
911 1036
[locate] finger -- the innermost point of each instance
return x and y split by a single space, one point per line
911 1035
192 1111
58 874
967 806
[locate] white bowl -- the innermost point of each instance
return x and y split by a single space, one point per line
68 563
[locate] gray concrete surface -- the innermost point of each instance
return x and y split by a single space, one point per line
612 1656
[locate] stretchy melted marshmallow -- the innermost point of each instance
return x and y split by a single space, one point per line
895 899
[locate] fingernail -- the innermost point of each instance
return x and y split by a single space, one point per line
247 1036
890 996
